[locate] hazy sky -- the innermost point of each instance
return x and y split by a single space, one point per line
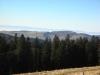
47 15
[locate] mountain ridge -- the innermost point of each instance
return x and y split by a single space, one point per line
43 35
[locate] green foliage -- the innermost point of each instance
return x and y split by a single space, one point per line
3 45
23 55
55 51
46 54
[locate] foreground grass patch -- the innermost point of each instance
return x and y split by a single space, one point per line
72 71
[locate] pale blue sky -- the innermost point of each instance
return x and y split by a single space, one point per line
48 15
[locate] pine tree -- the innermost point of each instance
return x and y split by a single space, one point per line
66 52
81 43
55 52
21 47
62 54
4 50
3 45
92 50
29 55
46 54
13 43
37 54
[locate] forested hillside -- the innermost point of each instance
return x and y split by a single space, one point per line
20 55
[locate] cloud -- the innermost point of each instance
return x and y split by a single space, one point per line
21 27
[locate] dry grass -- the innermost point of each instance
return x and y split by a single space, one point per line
72 71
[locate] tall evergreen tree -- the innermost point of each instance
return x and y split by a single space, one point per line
55 52
46 54
21 47
28 55
13 43
37 54
4 50
3 45
91 48
81 43
62 54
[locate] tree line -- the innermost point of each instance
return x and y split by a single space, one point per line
29 55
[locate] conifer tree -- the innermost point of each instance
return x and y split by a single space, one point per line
21 47
46 54
37 54
55 52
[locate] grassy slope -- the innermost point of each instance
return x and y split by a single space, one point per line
72 71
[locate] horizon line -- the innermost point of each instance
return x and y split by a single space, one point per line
37 29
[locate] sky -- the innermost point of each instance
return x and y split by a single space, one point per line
50 15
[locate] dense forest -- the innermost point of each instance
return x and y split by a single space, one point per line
29 55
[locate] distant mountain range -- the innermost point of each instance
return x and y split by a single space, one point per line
43 35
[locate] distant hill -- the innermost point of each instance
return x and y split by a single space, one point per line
43 35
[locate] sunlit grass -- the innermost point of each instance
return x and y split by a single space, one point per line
71 71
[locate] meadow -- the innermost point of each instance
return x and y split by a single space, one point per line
72 71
